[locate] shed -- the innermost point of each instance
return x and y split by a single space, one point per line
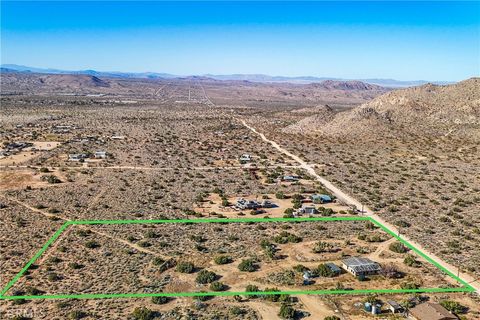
100 154
394 306
308 210
246 157
76 157
333 267
290 178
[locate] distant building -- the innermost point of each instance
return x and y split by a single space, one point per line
77 157
246 158
359 266
430 311
290 178
321 198
100 155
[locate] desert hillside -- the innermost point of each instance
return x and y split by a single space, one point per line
428 109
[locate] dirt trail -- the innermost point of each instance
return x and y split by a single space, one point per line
317 308
349 200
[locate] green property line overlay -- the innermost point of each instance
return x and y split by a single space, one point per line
466 287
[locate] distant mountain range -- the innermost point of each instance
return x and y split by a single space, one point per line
234 77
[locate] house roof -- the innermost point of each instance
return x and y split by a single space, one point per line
359 264
323 197
431 311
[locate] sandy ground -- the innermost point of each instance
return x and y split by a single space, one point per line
276 212
27 153
20 179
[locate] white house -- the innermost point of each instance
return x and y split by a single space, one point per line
100 155
246 157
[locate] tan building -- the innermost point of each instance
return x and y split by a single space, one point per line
431 311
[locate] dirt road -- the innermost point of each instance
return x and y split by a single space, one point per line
349 200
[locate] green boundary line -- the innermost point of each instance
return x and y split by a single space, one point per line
466 287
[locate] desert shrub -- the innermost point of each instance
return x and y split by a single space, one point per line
287 312
252 288
144 244
32 291
160 300
185 267
288 213
324 271
54 260
197 238
206 276
286 237
331 318
300 268
223 259
77 314
275 297
280 195
151 234
402 223
409 285
398 247
453 306
201 298
143 313
84 233
217 286
75 265
52 179
411 261
237 311
390 271
321 247
92 244
53 276
157 261
247 265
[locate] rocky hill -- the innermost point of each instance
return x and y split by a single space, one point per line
346 85
428 109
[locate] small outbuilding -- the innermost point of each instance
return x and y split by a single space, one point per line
334 268
359 266
308 210
395 307
245 158
77 157
290 178
100 155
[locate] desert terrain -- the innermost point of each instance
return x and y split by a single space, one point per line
79 147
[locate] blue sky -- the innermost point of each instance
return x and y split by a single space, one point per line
400 40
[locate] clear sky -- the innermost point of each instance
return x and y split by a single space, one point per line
400 40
